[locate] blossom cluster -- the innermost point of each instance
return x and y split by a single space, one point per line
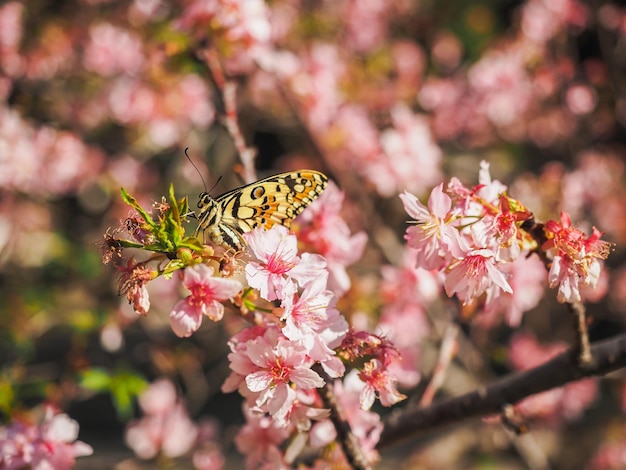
474 235
273 364
298 343
167 429
49 444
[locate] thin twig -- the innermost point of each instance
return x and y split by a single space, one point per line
226 91
231 122
447 351
581 344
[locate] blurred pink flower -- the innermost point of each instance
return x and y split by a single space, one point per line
260 440
581 99
50 445
207 294
113 50
317 85
366 23
240 27
323 227
447 50
166 426
611 453
208 459
406 293
410 62
42 160
11 31
365 425
54 55
131 101
543 19
501 85
411 158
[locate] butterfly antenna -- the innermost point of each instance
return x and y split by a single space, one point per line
194 165
216 183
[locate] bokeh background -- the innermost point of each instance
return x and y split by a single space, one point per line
383 96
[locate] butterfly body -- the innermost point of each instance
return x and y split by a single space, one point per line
274 200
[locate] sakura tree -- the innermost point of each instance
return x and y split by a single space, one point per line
441 248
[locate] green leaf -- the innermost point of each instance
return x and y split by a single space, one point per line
174 206
7 396
95 379
131 201
173 265
192 242
125 387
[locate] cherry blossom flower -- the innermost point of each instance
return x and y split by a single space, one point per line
276 263
500 231
311 321
51 444
434 239
165 427
378 382
576 257
132 281
281 386
207 294
271 365
527 278
474 275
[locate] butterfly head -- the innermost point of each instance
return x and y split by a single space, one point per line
210 211
205 200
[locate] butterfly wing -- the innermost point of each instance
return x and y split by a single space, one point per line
274 200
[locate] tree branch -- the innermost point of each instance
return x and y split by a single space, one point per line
607 356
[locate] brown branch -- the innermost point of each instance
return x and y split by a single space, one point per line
349 442
607 356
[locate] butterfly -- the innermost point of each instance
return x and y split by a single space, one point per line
274 200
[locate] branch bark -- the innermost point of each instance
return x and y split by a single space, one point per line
403 424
